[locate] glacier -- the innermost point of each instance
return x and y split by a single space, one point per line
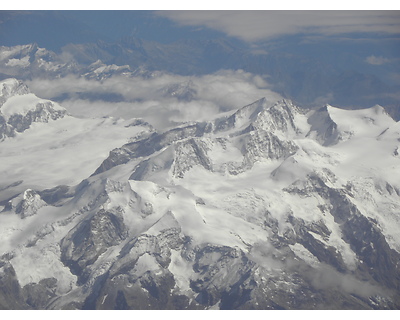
271 206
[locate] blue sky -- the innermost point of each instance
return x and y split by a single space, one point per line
249 26
261 30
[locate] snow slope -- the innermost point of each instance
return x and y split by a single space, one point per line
62 152
55 148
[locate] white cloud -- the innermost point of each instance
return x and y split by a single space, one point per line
260 25
376 60
161 100
322 100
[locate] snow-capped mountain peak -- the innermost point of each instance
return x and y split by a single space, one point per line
11 87
19 108
270 206
23 104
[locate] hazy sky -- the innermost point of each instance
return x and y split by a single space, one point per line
316 44
263 25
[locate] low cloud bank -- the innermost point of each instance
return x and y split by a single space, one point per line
161 100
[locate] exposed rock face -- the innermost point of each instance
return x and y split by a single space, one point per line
38 295
140 279
149 145
26 204
251 130
324 128
42 113
29 204
190 153
92 237
10 292
375 259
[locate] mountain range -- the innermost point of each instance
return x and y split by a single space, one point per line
270 206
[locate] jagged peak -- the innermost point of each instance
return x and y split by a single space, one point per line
284 102
254 106
287 106
98 62
262 114
241 117
16 98
11 87
27 203
282 118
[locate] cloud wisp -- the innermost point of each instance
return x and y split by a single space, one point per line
377 60
162 100
259 25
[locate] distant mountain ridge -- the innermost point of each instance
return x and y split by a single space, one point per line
299 78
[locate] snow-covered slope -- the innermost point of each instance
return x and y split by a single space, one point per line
268 207
42 146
